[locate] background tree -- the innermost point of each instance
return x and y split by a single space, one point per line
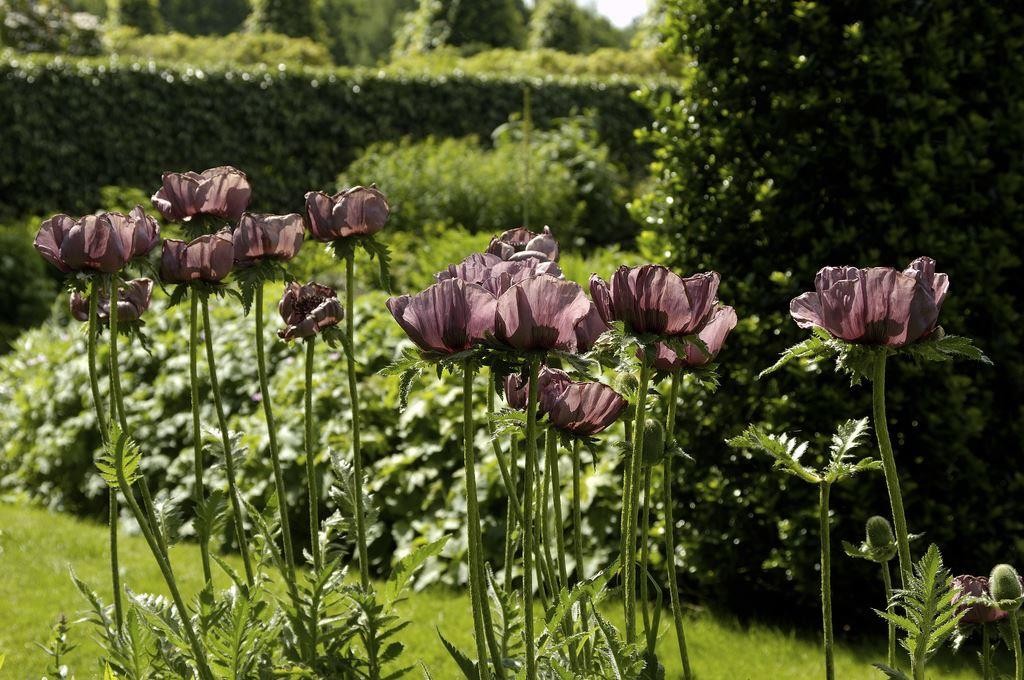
202 17
563 25
361 32
142 15
288 17
470 24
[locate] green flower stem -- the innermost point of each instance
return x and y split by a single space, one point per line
353 391
558 529
275 456
312 480
1015 639
476 571
628 559
826 582
542 522
577 538
887 581
101 423
650 633
528 482
986 652
229 455
199 491
156 546
892 480
670 525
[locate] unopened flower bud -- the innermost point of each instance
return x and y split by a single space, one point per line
879 533
1005 588
654 442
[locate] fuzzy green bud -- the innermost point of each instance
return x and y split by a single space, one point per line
879 533
654 442
1005 588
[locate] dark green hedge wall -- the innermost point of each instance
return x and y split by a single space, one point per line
866 133
71 127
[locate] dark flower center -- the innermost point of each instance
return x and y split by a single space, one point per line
307 303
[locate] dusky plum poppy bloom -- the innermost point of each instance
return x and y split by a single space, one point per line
359 211
653 299
549 381
495 274
267 237
713 335
307 310
132 302
874 306
584 409
222 192
977 613
206 258
105 242
545 313
521 243
448 317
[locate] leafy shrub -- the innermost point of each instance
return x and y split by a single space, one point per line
564 25
847 133
202 17
26 286
239 49
473 25
291 129
294 18
47 26
142 15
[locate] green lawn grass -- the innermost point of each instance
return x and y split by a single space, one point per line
38 547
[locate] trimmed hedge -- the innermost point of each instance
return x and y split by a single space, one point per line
71 127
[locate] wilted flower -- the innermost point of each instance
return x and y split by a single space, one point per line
222 192
495 274
550 383
874 306
713 335
308 309
105 242
448 317
206 258
521 243
584 408
545 313
652 299
359 211
267 237
132 302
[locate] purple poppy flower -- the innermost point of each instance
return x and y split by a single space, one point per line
267 237
652 299
308 309
105 242
222 192
545 313
495 274
448 317
978 613
713 335
359 211
583 409
874 306
132 302
550 382
521 243
206 258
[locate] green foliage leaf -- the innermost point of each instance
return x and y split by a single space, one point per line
945 348
785 451
120 453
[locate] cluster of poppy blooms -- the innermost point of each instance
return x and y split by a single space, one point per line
107 242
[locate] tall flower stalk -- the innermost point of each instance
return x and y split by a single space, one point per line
353 393
892 479
528 489
312 478
198 465
631 501
670 527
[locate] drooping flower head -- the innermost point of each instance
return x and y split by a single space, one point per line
359 211
495 274
206 258
521 243
448 317
584 409
651 299
132 302
967 586
713 335
874 306
307 310
267 237
105 242
544 313
549 380
222 192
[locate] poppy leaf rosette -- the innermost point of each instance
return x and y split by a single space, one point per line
104 243
583 409
132 302
521 244
495 274
447 318
206 258
543 313
874 306
307 310
723 320
221 192
359 211
259 238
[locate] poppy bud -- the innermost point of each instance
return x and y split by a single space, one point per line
1005 588
654 442
879 532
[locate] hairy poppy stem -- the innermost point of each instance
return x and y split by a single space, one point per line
268 412
577 536
353 391
101 423
312 481
528 482
512 509
892 480
628 559
887 581
670 526
229 454
1015 639
986 652
558 530
199 492
650 632
826 581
